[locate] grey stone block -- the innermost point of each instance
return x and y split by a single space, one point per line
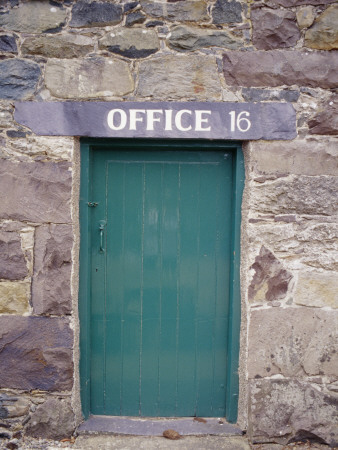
34 17
13 406
301 195
302 243
94 14
131 42
312 156
134 18
54 419
293 342
226 11
288 410
8 44
258 95
18 78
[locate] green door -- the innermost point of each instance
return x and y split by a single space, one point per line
159 282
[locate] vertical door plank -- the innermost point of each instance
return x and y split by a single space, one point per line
151 306
133 289
206 291
188 282
170 264
116 279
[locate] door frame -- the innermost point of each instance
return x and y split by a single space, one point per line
87 149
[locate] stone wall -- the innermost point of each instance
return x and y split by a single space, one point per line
203 50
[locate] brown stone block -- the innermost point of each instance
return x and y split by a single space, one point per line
281 67
193 38
318 289
298 195
189 10
312 156
35 353
12 260
58 46
51 287
35 192
88 78
14 297
285 411
292 342
274 29
323 35
174 77
305 16
326 120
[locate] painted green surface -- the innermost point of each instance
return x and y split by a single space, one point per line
158 334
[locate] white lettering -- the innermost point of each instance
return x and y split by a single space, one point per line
178 120
133 118
123 119
242 123
151 119
200 120
168 119
146 119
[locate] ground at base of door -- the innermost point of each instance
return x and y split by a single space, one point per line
109 442
148 426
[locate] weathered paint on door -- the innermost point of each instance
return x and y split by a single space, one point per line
159 277
160 242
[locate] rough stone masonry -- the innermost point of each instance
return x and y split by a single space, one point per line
191 50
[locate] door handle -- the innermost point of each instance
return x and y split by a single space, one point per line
102 225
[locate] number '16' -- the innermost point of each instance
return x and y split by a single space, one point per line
240 123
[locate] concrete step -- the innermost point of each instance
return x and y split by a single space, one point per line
187 426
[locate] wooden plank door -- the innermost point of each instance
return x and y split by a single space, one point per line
160 265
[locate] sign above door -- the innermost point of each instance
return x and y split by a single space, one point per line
191 120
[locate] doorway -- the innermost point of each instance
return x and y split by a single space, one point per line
159 283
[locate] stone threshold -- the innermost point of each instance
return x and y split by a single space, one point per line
135 426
